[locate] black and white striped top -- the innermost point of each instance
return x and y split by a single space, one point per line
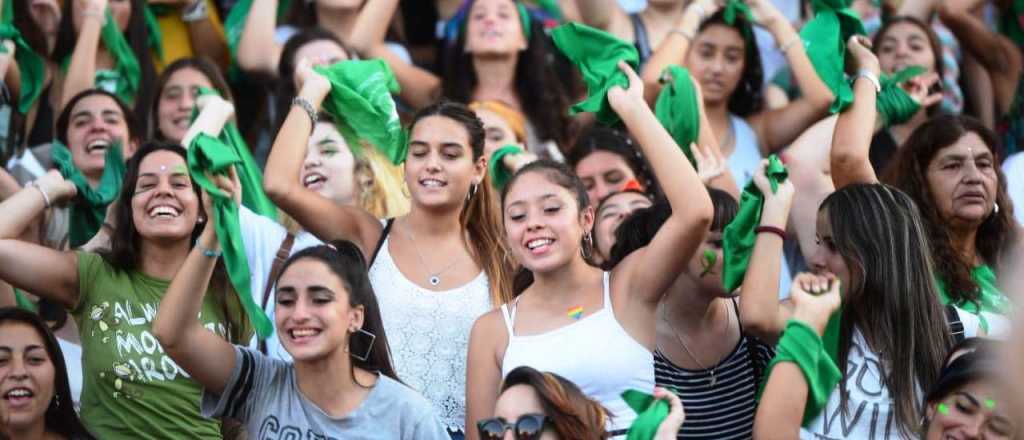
725 411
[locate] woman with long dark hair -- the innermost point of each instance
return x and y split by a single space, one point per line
34 381
177 88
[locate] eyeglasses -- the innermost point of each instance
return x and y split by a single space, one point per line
526 427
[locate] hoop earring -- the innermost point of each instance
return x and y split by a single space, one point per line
369 345
995 208
472 191
587 247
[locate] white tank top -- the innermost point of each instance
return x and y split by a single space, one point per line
428 333
595 353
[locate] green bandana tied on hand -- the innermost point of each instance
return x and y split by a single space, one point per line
209 155
801 345
678 111
650 412
31 66
825 38
249 174
894 105
597 54
360 102
125 64
89 208
740 234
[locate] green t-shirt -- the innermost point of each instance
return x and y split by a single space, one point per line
991 299
131 388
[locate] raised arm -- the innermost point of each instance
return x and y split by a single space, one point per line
851 141
206 357
82 67
602 14
1000 56
672 50
325 219
258 52
207 34
420 87
372 25
651 270
214 112
777 128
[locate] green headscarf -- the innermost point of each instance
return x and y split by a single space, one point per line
89 208
361 104
206 155
31 66
597 54
650 412
678 111
894 105
825 38
740 234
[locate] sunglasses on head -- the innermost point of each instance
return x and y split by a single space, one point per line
526 427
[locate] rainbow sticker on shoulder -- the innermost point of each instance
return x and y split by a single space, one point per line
575 312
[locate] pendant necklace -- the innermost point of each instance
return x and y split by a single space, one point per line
435 277
713 379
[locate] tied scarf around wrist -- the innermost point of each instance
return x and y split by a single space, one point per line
650 412
678 111
815 356
740 234
206 154
824 38
89 207
249 174
361 104
31 66
894 105
597 54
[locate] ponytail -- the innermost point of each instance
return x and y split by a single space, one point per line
487 242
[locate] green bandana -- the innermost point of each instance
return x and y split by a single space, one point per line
650 412
990 300
248 171
894 105
30 64
739 8
801 345
89 208
209 155
126 66
597 54
740 234
156 36
825 38
678 111
360 102
22 302
497 170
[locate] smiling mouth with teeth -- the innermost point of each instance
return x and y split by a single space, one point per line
313 179
433 183
303 333
164 212
536 243
18 393
100 145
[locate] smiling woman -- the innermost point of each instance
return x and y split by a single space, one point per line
176 91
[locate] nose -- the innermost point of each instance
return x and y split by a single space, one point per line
972 428
187 101
817 260
433 164
312 160
17 371
971 172
717 64
300 312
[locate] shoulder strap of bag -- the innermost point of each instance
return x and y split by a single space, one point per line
956 327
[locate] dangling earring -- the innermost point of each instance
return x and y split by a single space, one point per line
995 208
369 345
587 248
472 191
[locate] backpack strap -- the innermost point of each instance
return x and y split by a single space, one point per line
380 242
956 326
275 269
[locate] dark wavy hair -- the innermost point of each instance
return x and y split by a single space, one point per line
995 236
543 93
346 261
199 64
136 131
478 218
933 43
285 88
125 253
572 414
748 98
601 138
892 299
137 36
60 416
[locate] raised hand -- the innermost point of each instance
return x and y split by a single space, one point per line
859 49
920 89
776 203
669 428
815 298
710 162
93 8
309 83
624 100
765 13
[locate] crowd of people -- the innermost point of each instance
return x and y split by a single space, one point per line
511 219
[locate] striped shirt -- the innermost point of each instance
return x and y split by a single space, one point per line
725 411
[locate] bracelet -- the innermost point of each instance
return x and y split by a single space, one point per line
870 76
785 47
97 15
771 230
211 253
306 106
683 32
194 12
46 197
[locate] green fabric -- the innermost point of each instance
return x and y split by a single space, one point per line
22 302
597 54
552 8
739 235
89 208
360 102
650 412
1011 22
131 388
208 155
802 346
500 174
825 37
31 66
678 111
737 8
156 37
894 105
249 173
126 65
990 300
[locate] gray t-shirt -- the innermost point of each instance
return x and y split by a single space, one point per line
264 395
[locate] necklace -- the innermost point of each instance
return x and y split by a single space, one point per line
711 372
435 277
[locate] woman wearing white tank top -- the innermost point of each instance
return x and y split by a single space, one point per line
596 329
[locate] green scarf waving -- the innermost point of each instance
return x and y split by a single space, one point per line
740 234
209 155
678 111
360 102
248 171
156 36
825 38
650 412
31 66
123 81
597 54
894 105
89 208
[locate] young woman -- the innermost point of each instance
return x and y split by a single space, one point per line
611 315
428 304
340 384
970 399
131 388
170 116
605 159
37 400
949 167
610 213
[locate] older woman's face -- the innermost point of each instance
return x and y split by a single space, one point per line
963 181
977 410
904 45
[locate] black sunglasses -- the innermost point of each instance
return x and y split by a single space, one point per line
526 427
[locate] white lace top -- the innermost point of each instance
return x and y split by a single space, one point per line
429 334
